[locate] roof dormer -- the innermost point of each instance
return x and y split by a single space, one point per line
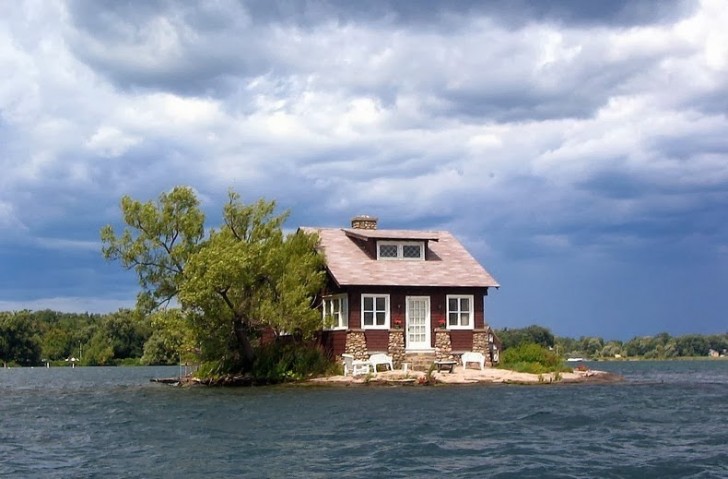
400 250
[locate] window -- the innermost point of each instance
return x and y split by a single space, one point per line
400 250
412 251
460 312
375 311
335 312
388 250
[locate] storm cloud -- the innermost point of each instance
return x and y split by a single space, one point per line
577 148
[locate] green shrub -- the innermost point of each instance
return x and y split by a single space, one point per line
274 363
128 362
531 358
278 362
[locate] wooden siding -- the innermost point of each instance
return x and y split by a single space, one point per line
354 299
377 340
461 340
397 311
333 342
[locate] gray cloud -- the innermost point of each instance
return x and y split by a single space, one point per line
542 133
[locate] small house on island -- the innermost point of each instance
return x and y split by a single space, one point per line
414 295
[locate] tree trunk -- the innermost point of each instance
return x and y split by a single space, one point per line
243 338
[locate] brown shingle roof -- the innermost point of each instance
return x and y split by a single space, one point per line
448 262
392 234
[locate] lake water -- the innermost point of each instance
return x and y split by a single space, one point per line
667 420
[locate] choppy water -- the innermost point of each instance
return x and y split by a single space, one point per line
668 420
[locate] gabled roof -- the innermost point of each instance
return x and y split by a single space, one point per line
448 263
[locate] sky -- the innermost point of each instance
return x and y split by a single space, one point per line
579 150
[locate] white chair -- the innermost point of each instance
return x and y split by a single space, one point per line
380 358
473 358
354 366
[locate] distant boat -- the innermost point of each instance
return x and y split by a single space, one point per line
574 360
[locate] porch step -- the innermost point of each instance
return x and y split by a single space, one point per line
419 361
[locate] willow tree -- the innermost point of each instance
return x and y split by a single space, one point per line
233 282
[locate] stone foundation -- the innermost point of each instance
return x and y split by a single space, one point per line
356 344
480 341
481 344
396 347
443 345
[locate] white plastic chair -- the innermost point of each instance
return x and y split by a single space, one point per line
353 366
381 358
473 358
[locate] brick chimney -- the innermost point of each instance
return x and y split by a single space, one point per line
364 222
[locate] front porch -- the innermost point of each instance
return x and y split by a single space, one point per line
362 343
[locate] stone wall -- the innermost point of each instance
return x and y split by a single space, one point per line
356 344
443 346
483 343
480 344
480 341
396 347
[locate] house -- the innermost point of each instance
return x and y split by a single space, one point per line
410 294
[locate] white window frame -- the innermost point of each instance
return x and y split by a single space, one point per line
471 319
374 303
341 318
400 245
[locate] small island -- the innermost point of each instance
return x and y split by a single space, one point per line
461 375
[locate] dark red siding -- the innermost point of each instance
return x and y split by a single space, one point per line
377 339
333 342
267 336
354 309
461 340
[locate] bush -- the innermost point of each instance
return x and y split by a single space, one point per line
279 362
274 363
532 358
128 362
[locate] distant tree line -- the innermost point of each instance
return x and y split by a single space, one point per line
31 338
660 346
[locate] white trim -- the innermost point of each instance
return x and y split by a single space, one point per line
471 319
375 310
400 245
342 321
428 325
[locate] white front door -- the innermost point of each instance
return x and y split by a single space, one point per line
418 322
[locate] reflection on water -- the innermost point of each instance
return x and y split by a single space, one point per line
667 420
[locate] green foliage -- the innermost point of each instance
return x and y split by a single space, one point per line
275 363
278 362
531 358
512 338
160 239
664 346
128 362
660 346
19 342
172 341
40 336
99 351
240 279
127 333
248 276
116 336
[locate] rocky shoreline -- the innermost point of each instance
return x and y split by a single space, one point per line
458 376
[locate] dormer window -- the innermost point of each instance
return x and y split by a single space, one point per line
407 250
